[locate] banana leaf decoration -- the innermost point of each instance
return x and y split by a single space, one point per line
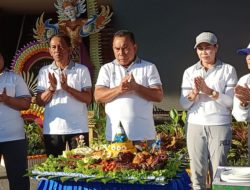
31 81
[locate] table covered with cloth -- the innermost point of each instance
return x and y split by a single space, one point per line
182 182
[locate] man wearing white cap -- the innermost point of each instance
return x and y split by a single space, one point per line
241 108
207 94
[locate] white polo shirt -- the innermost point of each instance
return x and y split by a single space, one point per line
242 113
204 110
11 122
64 114
135 113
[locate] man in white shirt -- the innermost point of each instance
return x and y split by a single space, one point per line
241 108
128 86
64 88
14 96
207 95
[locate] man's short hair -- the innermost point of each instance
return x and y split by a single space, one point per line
127 33
65 37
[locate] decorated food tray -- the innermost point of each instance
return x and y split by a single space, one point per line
91 168
83 176
119 161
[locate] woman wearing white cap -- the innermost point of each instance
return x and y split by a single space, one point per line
207 94
241 108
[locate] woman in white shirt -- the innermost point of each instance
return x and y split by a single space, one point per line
207 95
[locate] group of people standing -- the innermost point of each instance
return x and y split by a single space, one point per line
127 86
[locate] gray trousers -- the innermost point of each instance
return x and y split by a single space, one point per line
207 147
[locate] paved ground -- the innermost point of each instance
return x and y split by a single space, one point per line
4 182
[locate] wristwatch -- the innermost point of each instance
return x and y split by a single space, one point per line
213 94
244 104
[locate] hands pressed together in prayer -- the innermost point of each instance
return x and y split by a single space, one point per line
53 82
128 84
200 86
243 94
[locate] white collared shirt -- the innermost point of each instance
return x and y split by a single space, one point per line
239 112
135 113
64 114
204 110
11 122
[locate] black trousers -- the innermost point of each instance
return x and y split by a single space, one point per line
15 159
55 144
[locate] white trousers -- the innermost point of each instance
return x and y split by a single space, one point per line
207 147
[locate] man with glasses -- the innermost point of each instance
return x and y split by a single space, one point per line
207 94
